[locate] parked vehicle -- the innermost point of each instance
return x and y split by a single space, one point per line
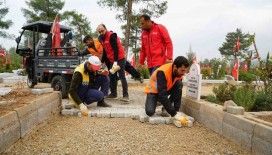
41 62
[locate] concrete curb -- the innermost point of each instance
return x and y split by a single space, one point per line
249 134
19 122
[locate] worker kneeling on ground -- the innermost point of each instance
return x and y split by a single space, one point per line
89 84
165 81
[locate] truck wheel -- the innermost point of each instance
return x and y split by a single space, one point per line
58 83
30 82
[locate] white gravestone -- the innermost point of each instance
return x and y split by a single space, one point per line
194 79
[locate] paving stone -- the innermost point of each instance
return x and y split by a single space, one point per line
4 75
104 113
117 113
41 91
143 118
4 91
156 120
168 120
18 71
65 102
67 106
71 112
93 113
228 103
236 110
14 79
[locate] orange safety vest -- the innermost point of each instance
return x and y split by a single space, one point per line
167 70
99 49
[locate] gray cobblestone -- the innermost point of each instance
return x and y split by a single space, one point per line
143 118
93 113
41 91
156 120
14 79
236 110
71 112
168 120
104 113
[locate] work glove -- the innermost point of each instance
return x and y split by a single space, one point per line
182 120
115 67
83 109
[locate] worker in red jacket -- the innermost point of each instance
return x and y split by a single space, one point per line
115 54
157 46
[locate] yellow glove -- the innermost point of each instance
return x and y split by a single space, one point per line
83 109
115 67
180 121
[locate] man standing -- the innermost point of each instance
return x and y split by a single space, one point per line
157 46
165 81
115 54
85 85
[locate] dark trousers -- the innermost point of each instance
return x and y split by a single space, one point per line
102 83
96 92
175 100
132 71
152 69
122 77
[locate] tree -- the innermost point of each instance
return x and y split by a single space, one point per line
134 37
80 25
4 24
227 48
42 9
48 9
127 12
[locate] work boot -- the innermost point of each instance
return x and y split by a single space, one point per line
102 104
111 96
125 99
141 79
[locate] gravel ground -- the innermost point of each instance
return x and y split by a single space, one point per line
74 135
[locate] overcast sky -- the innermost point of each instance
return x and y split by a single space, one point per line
203 24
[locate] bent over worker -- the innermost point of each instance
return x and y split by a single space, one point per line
165 81
87 86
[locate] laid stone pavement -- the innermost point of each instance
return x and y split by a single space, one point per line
120 110
133 109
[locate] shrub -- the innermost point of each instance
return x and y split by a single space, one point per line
224 92
245 96
246 76
206 72
144 72
263 102
212 98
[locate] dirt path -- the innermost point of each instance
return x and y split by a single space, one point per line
74 135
